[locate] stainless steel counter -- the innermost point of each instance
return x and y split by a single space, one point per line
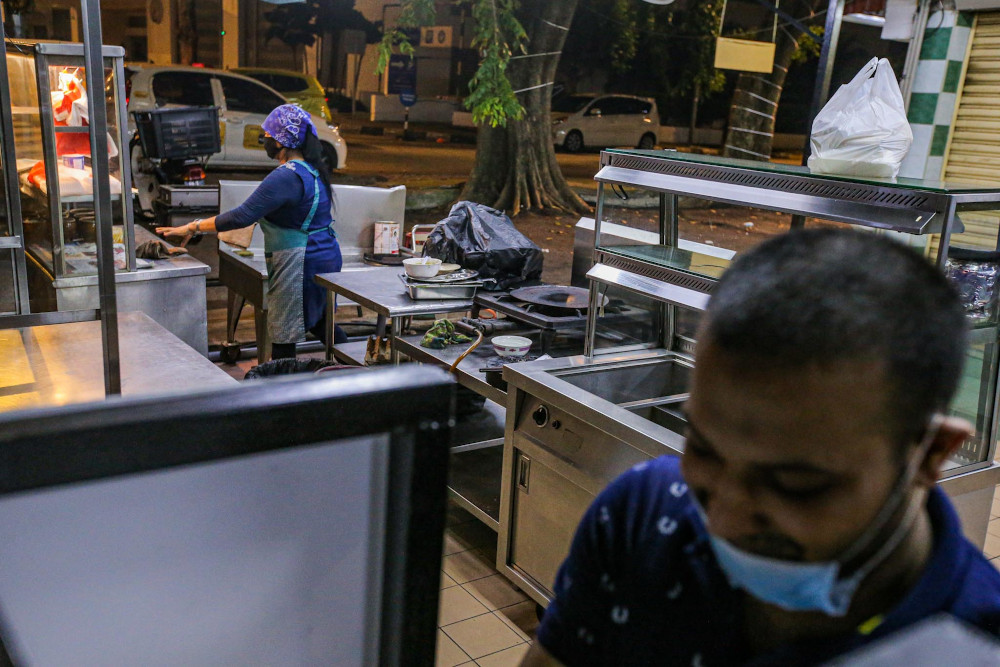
467 373
61 364
172 292
379 289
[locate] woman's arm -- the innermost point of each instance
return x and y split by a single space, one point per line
206 226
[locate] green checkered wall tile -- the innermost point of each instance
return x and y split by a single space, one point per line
952 77
939 141
922 108
965 19
935 46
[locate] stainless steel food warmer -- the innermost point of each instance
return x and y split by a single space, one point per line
574 424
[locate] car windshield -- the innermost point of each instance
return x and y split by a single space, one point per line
570 103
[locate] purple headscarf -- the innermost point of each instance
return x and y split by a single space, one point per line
288 125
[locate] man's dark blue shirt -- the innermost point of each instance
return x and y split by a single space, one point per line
641 585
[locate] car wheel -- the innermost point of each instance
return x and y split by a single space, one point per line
329 156
573 142
648 141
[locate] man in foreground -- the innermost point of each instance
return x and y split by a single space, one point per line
804 519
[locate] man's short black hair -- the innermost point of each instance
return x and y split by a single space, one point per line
824 295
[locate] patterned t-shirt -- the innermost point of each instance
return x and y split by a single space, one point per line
641 585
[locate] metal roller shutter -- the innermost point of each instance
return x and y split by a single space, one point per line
974 152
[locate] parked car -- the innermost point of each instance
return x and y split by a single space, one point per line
301 89
599 121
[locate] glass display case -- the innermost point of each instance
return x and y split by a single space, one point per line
705 210
52 138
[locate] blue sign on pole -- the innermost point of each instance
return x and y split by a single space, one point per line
402 74
408 98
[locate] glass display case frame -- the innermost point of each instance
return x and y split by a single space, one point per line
48 57
665 273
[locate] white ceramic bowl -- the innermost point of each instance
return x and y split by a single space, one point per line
422 267
511 346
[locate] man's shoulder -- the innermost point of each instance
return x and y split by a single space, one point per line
651 500
978 598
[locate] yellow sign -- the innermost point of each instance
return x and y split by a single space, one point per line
222 132
745 55
253 137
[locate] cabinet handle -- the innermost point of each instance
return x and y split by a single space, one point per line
523 472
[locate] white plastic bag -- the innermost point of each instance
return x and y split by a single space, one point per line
862 130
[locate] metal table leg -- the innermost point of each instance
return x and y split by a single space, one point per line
331 309
234 308
263 340
395 331
380 326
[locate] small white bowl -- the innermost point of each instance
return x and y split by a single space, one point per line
511 346
422 267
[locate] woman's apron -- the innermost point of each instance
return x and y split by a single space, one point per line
285 255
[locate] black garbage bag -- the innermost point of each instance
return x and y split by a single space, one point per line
277 367
485 240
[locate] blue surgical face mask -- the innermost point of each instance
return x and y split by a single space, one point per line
798 586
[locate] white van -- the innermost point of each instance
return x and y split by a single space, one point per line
600 121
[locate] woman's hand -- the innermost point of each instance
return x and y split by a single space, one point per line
183 230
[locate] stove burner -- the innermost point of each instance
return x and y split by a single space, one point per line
554 296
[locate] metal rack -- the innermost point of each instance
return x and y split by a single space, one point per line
666 274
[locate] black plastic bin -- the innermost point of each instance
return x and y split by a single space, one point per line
178 132
277 367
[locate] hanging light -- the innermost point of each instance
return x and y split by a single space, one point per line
659 2
289 2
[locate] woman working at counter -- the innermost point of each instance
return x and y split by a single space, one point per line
293 207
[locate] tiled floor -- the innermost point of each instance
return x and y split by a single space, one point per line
483 620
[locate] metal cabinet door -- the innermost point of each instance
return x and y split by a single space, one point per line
546 510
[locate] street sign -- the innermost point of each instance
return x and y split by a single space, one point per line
436 36
402 75
408 98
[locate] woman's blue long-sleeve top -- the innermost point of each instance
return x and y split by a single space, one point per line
285 198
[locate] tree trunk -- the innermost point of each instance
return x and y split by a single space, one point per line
695 101
750 133
516 166
755 102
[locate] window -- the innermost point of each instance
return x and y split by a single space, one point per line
287 84
183 88
570 103
616 106
248 96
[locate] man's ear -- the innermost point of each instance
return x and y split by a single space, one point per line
951 433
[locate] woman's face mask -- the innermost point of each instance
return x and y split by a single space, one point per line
272 147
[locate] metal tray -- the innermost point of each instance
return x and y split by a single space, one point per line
419 291
460 276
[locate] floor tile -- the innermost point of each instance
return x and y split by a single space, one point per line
994 527
521 617
456 604
995 511
495 592
992 548
446 581
510 657
452 545
448 652
482 635
996 563
467 566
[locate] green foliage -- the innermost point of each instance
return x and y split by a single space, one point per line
626 40
498 35
413 14
809 46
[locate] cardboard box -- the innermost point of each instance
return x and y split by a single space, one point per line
387 238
